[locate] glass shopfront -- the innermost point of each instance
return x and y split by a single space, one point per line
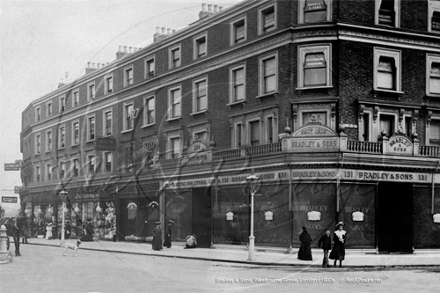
426 231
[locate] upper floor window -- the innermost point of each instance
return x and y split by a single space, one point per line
387 12
174 101
109 84
91 163
91 128
128 76
434 16
149 110
238 31
149 67
314 67
107 123
91 91
62 104
75 133
387 124
108 158
49 109
237 83
75 99
311 11
433 75
267 19
175 58
200 47
38 144
75 167
200 96
62 170
37 114
254 133
434 132
49 172
37 174
268 74
387 70
128 116
62 137
238 136
175 147
49 141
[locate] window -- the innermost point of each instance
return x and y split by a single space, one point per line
434 132
128 76
174 102
314 68
108 161
175 144
75 133
201 136
48 141
254 132
128 116
37 114
62 170
91 91
387 12
200 47
267 19
433 75
312 11
270 127
149 110
200 96
238 31
408 126
109 84
175 57
75 99
387 124
268 74
49 172
149 67
91 163
62 104
387 70
49 109
91 128
62 137
38 173
38 143
238 135
434 16
75 167
107 123
238 84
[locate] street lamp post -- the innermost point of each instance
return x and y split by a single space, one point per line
63 195
252 181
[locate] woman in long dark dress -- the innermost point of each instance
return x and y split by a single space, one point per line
157 237
88 231
305 251
167 241
339 239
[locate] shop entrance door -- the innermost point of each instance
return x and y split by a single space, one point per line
202 215
395 217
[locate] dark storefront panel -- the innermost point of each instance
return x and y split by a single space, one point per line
236 201
202 215
273 199
309 199
178 208
426 232
359 198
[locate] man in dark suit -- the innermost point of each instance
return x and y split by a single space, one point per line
325 242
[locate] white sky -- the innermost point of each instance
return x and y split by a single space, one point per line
40 40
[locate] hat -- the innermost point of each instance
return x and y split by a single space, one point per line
304 228
157 223
340 224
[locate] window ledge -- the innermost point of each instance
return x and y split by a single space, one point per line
127 131
198 113
173 119
300 90
267 95
148 125
241 102
377 92
74 145
432 95
90 141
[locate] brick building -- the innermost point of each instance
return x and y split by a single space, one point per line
334 104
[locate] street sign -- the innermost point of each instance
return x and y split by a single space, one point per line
9 199
12 167
105 144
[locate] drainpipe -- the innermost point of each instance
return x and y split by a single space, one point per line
433 185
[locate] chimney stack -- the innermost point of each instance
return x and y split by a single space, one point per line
162 33
207 12
61 83
90 67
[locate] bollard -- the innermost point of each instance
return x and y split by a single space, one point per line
4 255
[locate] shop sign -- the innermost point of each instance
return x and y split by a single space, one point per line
386 176
400 145
313 137
105 144
9 199
12 167
173 184
314 174
315 5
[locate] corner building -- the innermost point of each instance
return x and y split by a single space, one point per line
334 104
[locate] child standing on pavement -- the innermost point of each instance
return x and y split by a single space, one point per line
325 242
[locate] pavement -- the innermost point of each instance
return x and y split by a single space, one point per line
264 256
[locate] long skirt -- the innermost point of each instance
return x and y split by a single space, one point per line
338 252
157 243
305 252
167 241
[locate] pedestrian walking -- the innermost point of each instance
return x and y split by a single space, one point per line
157 237
191 241
49 231
87 231
305 251
325 242
339 239
168 233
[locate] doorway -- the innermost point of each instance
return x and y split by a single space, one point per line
395 218
202 216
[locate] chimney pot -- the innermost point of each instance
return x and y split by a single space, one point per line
89 65
174 31
157 30
215 8
163 31
120 48
220 8
210 7
168 31
130 49
125 49
66 74
93 65
203 6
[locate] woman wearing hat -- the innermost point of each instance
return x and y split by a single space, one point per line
339 238
49 231
157 238
167 241
305 251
